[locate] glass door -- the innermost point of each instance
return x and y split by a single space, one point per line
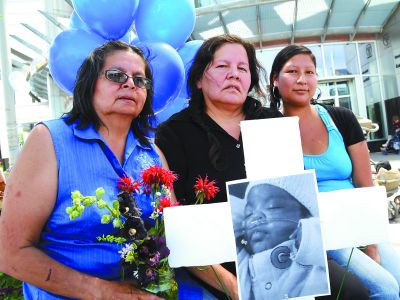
336 93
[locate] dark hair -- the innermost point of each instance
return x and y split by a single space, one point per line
203 58
88 74
280 60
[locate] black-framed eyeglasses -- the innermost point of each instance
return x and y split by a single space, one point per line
121 77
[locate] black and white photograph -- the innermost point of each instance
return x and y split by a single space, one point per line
279 243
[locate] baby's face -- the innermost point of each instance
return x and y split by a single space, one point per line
271 216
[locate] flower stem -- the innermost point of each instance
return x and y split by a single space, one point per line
220 282
345 274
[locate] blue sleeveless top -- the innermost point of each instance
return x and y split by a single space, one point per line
333 168
85 162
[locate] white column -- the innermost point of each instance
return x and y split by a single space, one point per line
57 100
8 124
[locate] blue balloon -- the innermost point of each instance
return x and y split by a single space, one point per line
189 51
67 53
111 19
168 21
75 22
187 54
173 107
168 72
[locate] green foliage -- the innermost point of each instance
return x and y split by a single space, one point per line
79 202
10 288
111 239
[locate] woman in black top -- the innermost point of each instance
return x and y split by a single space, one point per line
187 145
204 139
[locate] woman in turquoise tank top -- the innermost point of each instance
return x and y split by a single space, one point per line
340 159
102 138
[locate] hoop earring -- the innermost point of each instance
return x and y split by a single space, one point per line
314 100
275 93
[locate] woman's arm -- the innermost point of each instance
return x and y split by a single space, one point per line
29 200
228 279
362 177
162 157
206 274
165 165
359 155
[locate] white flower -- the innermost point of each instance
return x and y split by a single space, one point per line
126 249
167 192
154 215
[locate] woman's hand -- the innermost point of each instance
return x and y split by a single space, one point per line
232 288
372 252
104 290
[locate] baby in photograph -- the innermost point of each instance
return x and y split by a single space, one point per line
279 244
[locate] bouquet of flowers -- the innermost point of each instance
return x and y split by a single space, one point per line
144 254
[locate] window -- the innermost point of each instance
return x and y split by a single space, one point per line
367 58
341 59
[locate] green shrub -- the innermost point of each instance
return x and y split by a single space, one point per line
10 288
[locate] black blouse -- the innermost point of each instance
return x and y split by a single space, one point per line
186 146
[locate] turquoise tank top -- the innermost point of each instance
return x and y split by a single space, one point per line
333 168
85 162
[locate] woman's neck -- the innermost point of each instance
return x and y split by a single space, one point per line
229 120
313 132
115 133
299 111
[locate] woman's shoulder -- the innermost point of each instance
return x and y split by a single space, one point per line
181 116
265 113
56 125
272 112
255 109
337 111
179 125
179 119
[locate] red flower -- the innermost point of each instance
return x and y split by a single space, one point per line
205 189
147 191
128 185
166 202
156 176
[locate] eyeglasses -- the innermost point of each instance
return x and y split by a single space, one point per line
121 77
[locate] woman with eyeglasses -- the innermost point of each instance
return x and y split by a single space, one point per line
102 138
